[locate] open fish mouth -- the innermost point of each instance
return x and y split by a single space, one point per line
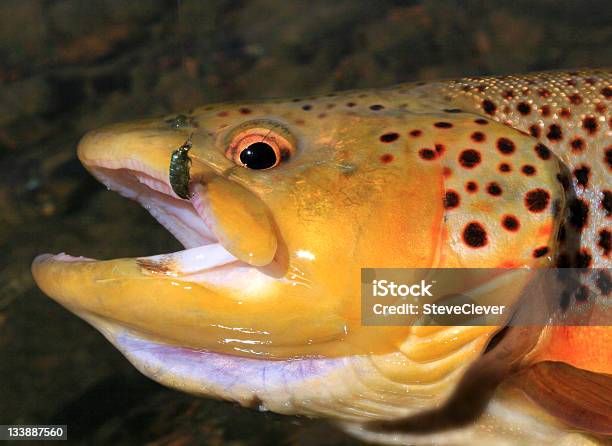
226 360
203 297
185 220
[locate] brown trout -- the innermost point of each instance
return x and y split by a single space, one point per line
280 203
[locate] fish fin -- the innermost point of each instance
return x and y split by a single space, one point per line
579 398
581 347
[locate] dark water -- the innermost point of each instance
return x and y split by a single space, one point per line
67 66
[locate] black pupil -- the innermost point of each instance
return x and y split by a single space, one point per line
259 155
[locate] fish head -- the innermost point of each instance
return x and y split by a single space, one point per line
279 205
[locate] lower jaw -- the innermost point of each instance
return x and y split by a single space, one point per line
264 384
351 388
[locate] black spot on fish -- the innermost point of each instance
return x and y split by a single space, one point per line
579 213
582 294
474 235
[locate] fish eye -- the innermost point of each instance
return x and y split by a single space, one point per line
259 155
259 149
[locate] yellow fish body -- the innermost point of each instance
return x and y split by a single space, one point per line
279 205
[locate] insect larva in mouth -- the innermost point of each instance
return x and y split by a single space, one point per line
179 170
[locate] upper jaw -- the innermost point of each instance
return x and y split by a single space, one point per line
133 161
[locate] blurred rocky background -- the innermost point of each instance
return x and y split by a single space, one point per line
67 66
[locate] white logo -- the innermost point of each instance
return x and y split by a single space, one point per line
384 288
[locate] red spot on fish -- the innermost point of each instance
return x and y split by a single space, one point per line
510 223
447 171
222 114
537 200
565 113
439 149
545 230
350 104
545 110
415 133
471 187
386 158
245 111
544 93
508 94
474 235
505 146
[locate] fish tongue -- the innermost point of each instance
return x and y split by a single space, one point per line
238 219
